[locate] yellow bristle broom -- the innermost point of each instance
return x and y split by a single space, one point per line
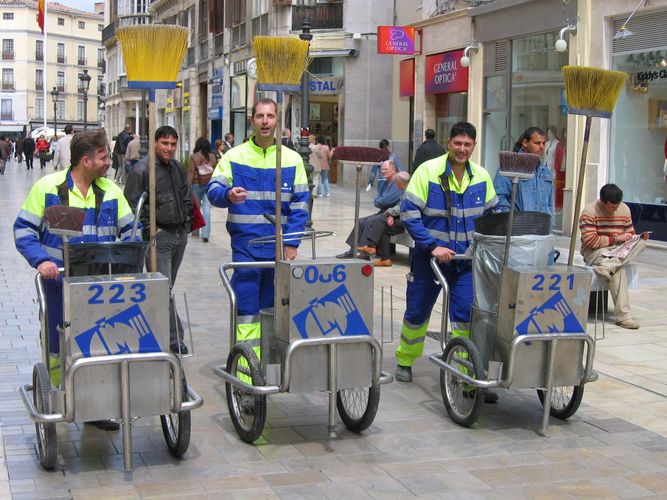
153 54
591 92
280 63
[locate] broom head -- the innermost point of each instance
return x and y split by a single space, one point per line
64 220
518 165
153 53
360 154
280 59
592 91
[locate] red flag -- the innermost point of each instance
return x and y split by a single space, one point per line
40 14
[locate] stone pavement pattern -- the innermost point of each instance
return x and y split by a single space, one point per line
614 447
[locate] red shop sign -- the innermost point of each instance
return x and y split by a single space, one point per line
406 80
444 73
396 40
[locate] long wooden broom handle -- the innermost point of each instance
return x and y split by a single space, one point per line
578 194
279 144
151 185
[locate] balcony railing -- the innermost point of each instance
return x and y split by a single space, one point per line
39 85
7 85
7 116
102 65
109 32
39 55
60 59
60 88
81 61
8 55
323 16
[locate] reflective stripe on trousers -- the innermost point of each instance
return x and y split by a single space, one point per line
421 294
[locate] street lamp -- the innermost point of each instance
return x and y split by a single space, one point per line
304 150
85 85
54 95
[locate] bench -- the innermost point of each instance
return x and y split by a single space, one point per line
402 239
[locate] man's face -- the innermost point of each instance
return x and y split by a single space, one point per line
610 207
460 148
535 144
387 171
98 164
264 120
229 138
165 148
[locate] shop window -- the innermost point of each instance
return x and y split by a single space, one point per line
321 66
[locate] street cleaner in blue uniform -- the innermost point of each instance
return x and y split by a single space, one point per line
244 182
108 216
442 201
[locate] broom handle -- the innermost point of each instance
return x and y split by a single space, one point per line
279 144
510 222
578 193
357 201
151 184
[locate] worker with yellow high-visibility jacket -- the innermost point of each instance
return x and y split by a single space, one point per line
84 185
444 197
244 182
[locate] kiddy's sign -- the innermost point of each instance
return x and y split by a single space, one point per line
444 73
396 40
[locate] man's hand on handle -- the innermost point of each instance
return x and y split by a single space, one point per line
442 254
289 252
48 270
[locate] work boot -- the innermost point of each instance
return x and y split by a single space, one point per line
403 373
105 425
178 349
490 396
345 255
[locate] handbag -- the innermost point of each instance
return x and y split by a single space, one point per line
197 217
205 169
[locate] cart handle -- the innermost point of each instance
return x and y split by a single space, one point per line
291 237
227 284
445 296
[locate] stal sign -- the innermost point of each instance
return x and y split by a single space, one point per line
396 40
444 73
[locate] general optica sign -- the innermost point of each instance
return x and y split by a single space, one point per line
444 73
396 40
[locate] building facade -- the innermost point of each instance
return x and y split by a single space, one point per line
33 66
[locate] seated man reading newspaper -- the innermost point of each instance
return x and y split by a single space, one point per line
609 242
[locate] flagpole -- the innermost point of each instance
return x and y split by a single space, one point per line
45 78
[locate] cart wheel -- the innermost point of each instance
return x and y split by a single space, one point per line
248 411
462 401
176 426
47 444
565 400
357 407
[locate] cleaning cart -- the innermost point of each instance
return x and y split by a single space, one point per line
318 337
114 360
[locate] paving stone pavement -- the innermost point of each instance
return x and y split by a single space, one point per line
614 447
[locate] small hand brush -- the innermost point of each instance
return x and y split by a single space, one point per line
517 166
65 221
359 156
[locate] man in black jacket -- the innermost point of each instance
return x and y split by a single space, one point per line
428 150
173 212
122 140
28 151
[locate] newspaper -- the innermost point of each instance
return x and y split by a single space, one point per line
621 251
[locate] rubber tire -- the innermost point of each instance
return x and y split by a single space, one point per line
370 394
47 441
449 384
566 411
176 428
249 423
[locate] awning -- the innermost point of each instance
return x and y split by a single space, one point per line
334 53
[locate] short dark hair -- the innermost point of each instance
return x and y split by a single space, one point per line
463 128
165 131
69 129
87 143
321 139
264 100
611 193
430 133
383 144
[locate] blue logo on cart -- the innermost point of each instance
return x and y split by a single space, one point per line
335 313
554 316
124 333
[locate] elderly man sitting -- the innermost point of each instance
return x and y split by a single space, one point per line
375 230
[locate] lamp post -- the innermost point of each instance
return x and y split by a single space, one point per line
85 85
54 96
304 150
